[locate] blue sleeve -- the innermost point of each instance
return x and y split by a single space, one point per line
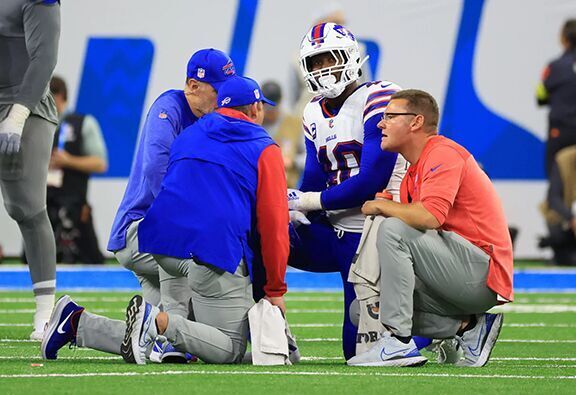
314 178
376 167
160 129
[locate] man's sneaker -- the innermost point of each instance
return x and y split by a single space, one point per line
448 351
389 351
61 329
478 342
140 330
164 352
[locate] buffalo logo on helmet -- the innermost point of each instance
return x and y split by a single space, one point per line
229 68
225 101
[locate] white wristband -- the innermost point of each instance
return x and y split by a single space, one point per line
310 201
18 114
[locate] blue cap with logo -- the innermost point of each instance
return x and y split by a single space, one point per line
211 66
241 91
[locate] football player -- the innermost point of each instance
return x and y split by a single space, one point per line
344 164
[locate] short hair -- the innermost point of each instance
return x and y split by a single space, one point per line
569 33
420 102
58 87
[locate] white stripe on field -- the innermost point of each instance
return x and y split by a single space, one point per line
35 357
531 359
287 372
32 311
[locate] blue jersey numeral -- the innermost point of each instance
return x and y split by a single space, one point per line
347 155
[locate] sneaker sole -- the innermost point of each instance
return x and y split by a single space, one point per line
490 341
406 362
53 324
133 322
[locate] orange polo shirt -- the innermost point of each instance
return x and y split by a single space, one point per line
449 183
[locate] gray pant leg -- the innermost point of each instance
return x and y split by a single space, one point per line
23 184
143 265
175 292
221 302
433 277
100 333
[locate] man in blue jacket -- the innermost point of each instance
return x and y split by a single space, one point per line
222 205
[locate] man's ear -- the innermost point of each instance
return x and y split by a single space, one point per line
192 85
418 122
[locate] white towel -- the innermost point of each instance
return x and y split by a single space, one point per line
268 332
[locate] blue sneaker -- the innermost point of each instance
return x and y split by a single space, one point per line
140 330
164 352
389 351
61 329
478 342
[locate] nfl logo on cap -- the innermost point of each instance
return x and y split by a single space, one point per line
257 93
201 72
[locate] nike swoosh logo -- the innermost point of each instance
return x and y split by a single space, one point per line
383 352
435 167
474 351
60 328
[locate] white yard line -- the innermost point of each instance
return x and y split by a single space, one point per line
358 373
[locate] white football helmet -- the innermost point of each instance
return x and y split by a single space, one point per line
335 39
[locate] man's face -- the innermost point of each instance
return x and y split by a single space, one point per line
321 61
206 98
395 125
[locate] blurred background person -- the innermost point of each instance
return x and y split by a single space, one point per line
559 209
78 152
558 90
286 130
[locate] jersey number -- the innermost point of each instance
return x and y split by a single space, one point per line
347 156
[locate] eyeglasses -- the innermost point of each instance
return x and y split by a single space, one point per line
391 115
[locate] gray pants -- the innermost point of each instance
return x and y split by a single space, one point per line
218 332
430 280
23 184
159 288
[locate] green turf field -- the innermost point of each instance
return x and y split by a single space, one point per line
536 353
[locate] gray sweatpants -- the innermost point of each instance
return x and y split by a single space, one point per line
430 280
218 332
23 184
159 288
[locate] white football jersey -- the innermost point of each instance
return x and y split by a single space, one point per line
339 138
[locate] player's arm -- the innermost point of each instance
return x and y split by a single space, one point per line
41 20
94 159
376 167
314 177
272 222
158 134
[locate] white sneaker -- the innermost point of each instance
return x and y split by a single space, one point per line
448 351
37 334
478 342
389 351
140 330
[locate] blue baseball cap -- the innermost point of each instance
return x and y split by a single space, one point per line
241 91
211 66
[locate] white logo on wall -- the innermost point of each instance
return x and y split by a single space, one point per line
257 93
225 101
201 72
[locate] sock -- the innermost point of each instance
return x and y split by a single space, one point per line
471 324
44 305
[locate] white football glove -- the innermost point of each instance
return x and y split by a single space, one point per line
298 218
11 129
304 201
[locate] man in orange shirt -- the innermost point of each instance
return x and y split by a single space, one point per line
444 251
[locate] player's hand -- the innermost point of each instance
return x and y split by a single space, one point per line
277 301
11 129
303 201
298 218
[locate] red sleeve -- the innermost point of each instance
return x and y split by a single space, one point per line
272 219
441 178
